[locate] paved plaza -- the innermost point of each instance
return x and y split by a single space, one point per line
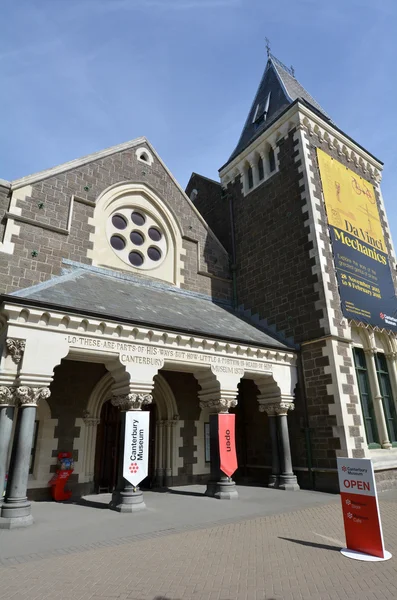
268 545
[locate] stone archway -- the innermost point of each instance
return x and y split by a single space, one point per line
165 446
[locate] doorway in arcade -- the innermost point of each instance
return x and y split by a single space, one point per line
107 451
253 443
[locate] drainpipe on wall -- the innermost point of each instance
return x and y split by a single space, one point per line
308 441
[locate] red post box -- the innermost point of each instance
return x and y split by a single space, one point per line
58 481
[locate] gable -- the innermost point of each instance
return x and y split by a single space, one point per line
54 214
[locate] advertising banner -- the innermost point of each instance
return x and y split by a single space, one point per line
136 446
360 507
362 265
227 444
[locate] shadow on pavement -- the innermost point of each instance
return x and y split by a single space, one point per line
312 544
185 493
90 503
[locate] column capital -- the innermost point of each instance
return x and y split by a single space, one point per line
370 351
276 409
15 348
31 396
131 401
220 405
391 355
7 396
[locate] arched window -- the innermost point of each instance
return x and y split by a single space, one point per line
272 160
261 172
250 177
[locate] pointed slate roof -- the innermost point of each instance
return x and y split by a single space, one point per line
277 90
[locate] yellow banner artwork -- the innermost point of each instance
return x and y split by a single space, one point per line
350 202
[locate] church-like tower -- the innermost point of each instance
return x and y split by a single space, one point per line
286 272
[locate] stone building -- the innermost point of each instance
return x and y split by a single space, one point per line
120 291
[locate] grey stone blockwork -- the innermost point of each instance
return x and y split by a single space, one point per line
206 267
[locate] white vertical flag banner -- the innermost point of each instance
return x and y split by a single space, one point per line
136 446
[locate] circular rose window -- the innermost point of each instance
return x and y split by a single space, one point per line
136 238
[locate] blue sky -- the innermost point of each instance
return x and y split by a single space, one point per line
81 75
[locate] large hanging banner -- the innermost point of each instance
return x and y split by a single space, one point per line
363 271
227 443
360 508
136 446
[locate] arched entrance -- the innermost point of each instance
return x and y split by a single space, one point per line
162 447
108 448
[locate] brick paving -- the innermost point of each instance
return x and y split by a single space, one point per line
294 555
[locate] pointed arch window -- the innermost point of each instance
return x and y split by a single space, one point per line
261 172
250 177
367 406
272 160
389 409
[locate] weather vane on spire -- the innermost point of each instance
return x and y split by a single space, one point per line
267 46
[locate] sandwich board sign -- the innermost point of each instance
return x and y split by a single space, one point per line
136 446
360 508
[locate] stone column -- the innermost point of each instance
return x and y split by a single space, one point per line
377 398
219 486
91 424
255 172
126 498
288 479
16 510
274 479
7 409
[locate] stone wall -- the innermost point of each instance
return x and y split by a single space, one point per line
185 389
273 265
213 205
42 211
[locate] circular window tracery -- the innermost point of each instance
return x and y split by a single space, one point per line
137 238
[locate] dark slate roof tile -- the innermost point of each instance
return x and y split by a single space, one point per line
93 292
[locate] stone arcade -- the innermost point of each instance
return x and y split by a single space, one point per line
122 292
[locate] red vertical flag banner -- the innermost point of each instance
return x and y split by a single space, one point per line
227 444
363 528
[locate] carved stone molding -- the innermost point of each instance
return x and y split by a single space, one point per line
7 396
220 405
16 348
31 396
90 421
131 401
276 410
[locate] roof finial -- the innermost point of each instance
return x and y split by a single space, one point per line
267 47
292 71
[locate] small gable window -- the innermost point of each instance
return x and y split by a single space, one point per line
261 172
144 155
250 177
272 160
